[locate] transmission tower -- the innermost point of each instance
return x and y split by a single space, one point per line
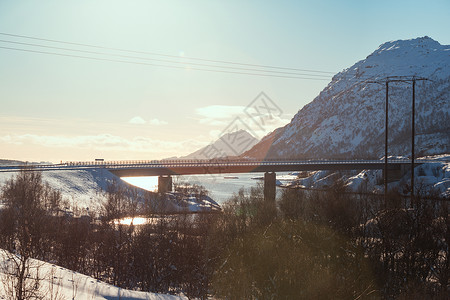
409 80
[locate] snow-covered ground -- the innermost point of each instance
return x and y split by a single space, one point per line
192 203
60 283
429 177
84 191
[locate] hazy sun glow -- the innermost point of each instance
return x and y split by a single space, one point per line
135 221
149 183
184 74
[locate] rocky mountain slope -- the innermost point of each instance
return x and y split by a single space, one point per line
346 120
230 144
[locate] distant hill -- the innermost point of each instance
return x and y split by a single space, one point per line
83 191
230 144
9 162
346 120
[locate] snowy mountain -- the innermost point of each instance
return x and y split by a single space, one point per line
346 120
230 144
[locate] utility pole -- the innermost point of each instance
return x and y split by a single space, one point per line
386 135
413 136
404 79
386 130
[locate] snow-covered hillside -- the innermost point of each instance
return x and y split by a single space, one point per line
83 191
63 284
430 178
346 120
230 144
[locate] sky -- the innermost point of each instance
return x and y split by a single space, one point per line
143 80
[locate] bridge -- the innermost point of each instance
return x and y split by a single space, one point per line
167 168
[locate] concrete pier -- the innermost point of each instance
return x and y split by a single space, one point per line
270 186
164 183
395 173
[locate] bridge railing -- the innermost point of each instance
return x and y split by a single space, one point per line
216 162
170 163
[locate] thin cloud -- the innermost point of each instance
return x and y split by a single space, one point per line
213 122
104 142
220 117
137 121
157 122
140 121
220 111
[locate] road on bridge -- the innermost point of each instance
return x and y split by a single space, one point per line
217 166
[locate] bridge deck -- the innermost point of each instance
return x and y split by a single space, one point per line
184 167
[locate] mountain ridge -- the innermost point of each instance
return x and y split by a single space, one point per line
346 120
229 144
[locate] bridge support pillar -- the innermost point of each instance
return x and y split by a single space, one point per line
270 186
396 172
164 183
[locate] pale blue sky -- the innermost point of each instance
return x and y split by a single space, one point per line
64 108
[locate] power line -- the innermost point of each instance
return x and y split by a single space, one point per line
227 67
165 61
264 73
167 55
158 65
